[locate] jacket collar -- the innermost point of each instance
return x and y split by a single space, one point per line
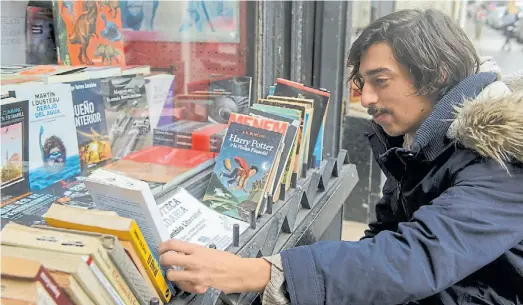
430 139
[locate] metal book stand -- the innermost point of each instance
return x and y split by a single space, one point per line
288 222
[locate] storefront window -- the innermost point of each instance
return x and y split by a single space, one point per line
109 83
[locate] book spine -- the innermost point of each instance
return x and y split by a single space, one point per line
135 236
77 295
115 278
150 264
52 288
103 280
133 255
129 272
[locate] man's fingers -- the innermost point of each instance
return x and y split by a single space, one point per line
183 277
176 259
178 246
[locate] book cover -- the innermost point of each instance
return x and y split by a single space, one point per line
273 125
130 198
91 126
89 33
241 174
72 192
53 150
160 93
14 148
27 210
126 114
189 220
321 102
40 36
237 97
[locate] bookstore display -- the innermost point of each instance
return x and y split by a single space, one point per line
103 159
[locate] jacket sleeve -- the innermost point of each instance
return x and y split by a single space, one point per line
467 227
385 219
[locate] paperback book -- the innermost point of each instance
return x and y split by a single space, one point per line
91 126
273 125
53 149
14 148
242 171
126 113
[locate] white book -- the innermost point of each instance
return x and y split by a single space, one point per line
175 216
130 198
187 219
160 92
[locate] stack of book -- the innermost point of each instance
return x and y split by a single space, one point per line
109 255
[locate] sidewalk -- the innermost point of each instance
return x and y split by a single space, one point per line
490 45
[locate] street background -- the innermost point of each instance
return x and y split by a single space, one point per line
489 44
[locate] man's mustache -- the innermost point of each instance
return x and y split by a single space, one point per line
373 110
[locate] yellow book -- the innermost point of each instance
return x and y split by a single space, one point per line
22 236
125 229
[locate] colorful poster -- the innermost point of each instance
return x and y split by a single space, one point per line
181 21
89 32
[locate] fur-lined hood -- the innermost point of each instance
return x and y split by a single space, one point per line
492 124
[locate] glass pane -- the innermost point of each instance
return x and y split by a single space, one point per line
143 88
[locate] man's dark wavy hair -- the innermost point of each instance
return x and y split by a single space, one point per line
436 52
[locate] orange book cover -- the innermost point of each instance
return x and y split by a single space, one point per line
89 32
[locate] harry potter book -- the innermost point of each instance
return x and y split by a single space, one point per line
242 171
280 126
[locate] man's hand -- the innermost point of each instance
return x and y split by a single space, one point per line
205 267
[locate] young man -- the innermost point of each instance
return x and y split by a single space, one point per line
449 227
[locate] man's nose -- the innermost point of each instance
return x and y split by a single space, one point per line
368 96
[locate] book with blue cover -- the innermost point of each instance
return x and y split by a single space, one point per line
242 172
53 148
91 126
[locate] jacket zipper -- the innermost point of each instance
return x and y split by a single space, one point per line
400 185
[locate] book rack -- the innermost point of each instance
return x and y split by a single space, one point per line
299 217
